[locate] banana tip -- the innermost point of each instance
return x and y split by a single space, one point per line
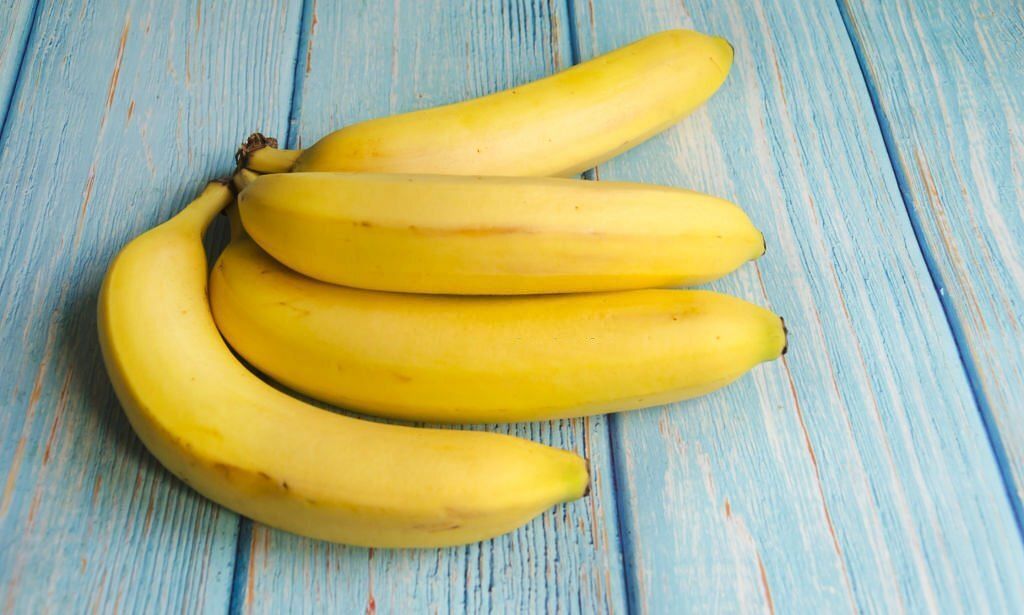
785 337
586 469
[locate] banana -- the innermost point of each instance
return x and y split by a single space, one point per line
494 236
484 359
283 462
557 126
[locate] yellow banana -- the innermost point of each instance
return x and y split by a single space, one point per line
557 126
283 462
496 235
484 359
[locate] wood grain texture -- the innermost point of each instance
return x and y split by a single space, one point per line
123 111
856 474
15 26
361 60
948 81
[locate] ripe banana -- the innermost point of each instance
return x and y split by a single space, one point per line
557 126
484 359
496 235
283 462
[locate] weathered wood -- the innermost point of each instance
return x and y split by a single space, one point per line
948 81
856 473
15 27
123 111
359 60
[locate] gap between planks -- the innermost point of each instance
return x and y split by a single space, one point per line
952 320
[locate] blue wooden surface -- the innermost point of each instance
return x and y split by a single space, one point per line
877 144
16 18
960 161
122 112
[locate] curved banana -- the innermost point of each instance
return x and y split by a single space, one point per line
496 235
484 359
283 462
557 126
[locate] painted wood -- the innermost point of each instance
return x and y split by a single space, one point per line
948 82
856 474
123 111
359 60
15 25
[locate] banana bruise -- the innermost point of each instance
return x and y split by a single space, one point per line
557 126
484 359
445 234
283 462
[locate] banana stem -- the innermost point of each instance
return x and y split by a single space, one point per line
271 160
200 212
242 178
260 153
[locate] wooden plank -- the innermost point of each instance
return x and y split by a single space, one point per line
856 474
948 81
124 110
15 27
361 60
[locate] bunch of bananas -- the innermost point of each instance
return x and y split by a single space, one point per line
429 267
